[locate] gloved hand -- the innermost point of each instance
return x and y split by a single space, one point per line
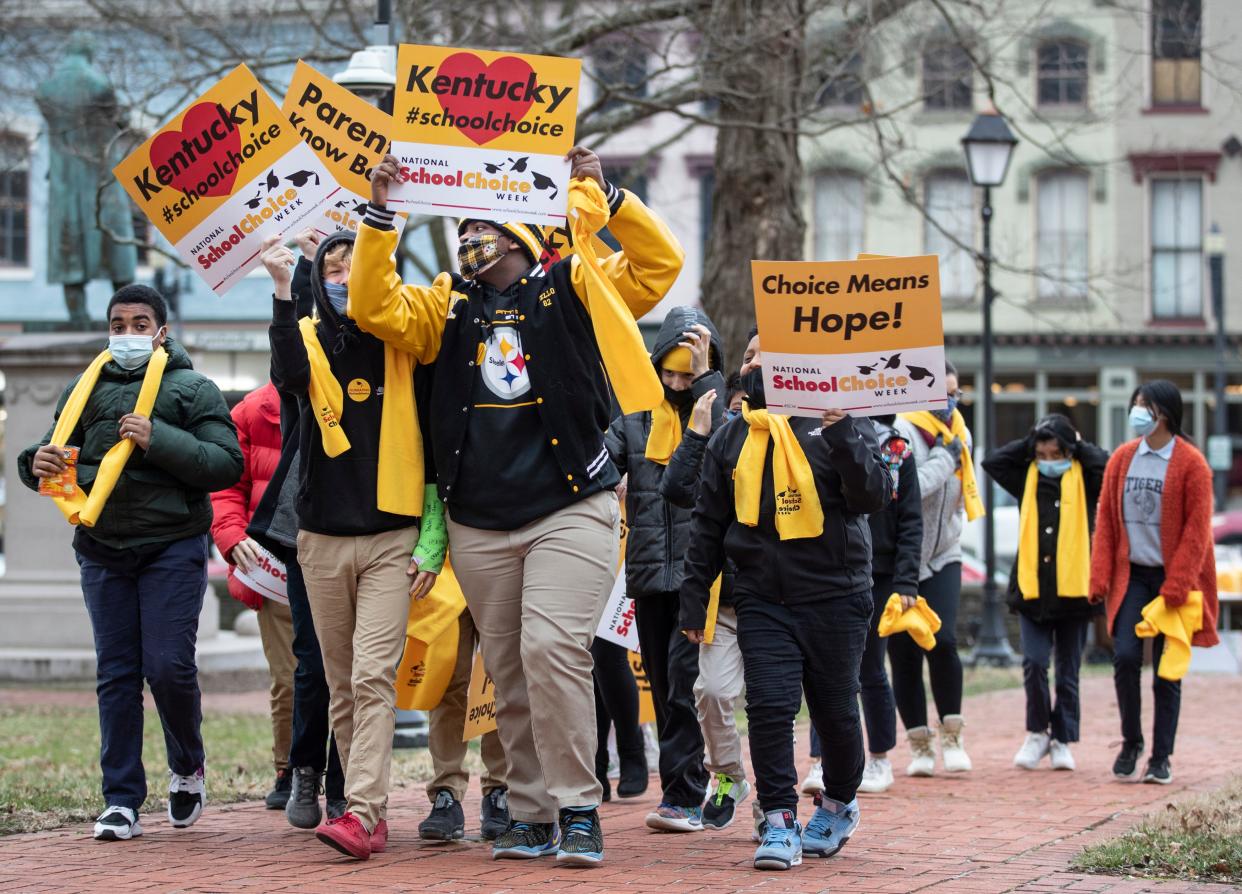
954 447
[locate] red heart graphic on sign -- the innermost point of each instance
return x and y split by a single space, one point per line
507 71
196 129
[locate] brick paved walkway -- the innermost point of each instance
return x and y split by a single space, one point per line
996 829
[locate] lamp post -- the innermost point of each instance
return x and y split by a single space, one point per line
989 146
372 72
1219 445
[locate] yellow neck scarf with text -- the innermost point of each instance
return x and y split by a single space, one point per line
399 485
79 508
665 435
966 472
1073 537
620 343
798 510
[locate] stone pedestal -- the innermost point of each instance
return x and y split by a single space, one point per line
45 632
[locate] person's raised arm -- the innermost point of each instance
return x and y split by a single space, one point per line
1008 465
713 512
855 455
290 367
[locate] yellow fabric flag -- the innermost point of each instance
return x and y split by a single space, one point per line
432 632
79 508
620 343
1073 537
1178 625
400 481
920 621
713 609
665 435
966 472
798 510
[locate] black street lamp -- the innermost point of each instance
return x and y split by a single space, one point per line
371 73
989 146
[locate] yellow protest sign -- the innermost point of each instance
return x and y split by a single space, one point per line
227 171
864 336
480 701
349 135
646 707
483 133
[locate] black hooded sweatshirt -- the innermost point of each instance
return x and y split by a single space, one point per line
659 531
335 496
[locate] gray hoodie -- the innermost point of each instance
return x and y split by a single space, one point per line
944 510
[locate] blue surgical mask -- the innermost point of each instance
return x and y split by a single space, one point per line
1142 421
338 295
731 414
1053 468
131 351
946 415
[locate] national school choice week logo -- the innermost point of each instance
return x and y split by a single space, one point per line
511 179
271 201
504 365
484 101
882 377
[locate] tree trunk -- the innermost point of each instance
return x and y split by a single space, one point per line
753 62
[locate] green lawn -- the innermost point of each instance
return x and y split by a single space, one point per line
1198 839
49 764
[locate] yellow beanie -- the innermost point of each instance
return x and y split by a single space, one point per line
677 360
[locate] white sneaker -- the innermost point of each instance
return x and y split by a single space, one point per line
1062 757
952 751
814 782
1032 751
877 776
923 761
187 796
117 824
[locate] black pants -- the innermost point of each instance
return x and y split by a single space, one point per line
616 704
1063 639
943 591
312 744
1145 584
672 665
814 647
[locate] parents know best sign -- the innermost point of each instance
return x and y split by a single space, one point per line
862 336
226 172
483 134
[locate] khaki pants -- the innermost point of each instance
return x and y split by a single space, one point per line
718 687
448 720
536 595
276 634
360 598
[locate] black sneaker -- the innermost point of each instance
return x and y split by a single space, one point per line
302 808
526 841
721 804
1158 771
582 838
336 808
1127 761
117 824
187 796
634 776
494 814
278 797
447 821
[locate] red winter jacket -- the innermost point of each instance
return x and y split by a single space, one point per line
257 417
1185 536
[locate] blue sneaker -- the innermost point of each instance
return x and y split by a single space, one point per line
781 847
667 818
828 832
582 839
526 841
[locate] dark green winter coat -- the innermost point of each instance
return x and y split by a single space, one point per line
164 493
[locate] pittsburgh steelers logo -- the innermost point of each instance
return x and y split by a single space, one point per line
504 366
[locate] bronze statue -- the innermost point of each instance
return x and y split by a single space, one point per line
83 121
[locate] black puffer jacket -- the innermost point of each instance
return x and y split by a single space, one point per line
659 532
680 486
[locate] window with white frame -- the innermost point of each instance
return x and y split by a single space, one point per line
1176 38
1062 73
1061 235
1177 249
839 209
950 232
947 76
14 201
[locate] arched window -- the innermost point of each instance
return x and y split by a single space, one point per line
947 76
843 85
1062 73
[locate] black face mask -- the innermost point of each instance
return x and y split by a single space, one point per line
752 384
679 399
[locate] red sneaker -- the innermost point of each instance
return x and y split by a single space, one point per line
379 838
347 835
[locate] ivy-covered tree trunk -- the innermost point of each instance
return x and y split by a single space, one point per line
753 66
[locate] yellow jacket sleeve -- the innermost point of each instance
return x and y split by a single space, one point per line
648 263
410 318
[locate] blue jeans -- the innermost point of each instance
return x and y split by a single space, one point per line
1145 584
786 649
1040 640
144 614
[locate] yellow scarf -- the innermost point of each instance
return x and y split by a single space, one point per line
620 343
966 473
920 621
399 487
431 644
798 511
79 508
665 435
1179 625
1073 537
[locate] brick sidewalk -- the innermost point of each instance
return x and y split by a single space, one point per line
995 829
